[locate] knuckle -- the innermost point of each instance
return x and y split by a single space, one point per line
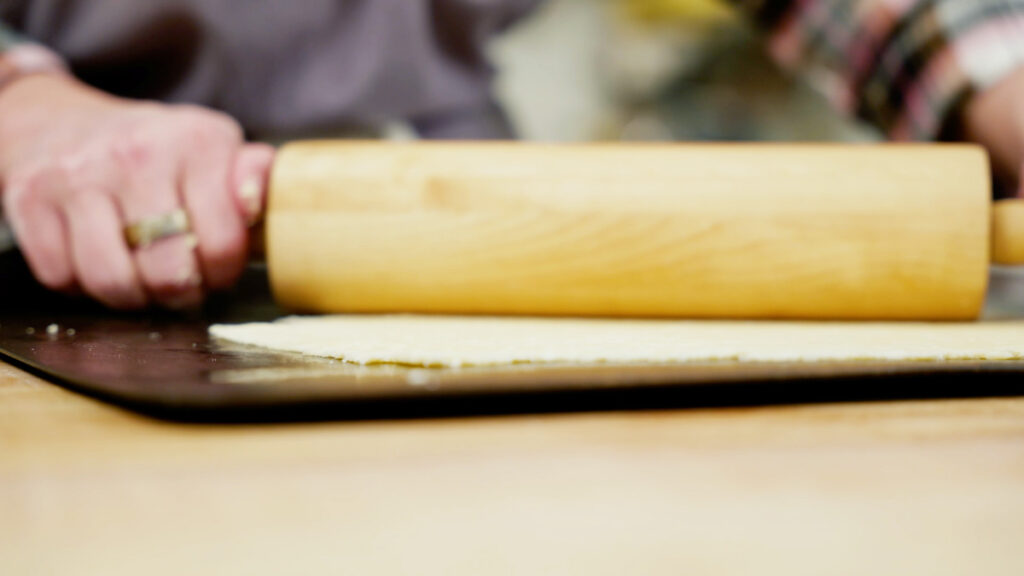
168 270
225 249
203 127
28 189
66 175
74 167
31 179
77 196
171 282
133 150
20 195
223 258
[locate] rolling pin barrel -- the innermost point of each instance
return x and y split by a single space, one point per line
1008 232
727 230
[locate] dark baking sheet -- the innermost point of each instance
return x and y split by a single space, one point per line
164 364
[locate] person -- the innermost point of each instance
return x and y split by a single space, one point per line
130 166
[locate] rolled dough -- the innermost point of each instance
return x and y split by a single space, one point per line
443 341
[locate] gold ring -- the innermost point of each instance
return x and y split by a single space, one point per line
149 230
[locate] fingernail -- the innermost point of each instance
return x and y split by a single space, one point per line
250 192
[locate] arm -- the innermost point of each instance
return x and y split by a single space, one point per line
18 57
917 69
78 165
995 119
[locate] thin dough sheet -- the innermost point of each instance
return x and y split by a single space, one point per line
449 341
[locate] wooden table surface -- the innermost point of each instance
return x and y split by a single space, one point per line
913 487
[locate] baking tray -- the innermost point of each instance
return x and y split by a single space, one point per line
164 364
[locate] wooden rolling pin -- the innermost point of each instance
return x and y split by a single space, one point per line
677 230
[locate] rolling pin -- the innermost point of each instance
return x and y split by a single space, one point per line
651 230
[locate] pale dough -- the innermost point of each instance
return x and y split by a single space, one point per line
439 341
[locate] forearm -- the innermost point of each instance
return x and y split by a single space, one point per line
908 67
20 61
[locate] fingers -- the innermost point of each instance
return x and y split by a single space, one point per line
250 179
217 222
69 209
167 268
170 273
39 228
69 229
99 255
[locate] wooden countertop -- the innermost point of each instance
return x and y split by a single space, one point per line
916 487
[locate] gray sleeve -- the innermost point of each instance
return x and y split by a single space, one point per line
6 237
485 122
464 28
8 37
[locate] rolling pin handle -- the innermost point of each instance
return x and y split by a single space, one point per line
1008 232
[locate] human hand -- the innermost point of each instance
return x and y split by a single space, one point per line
995 119
77 166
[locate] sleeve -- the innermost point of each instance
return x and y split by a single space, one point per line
19 56
906 66
463 30
9 38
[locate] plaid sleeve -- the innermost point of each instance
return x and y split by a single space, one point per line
906 66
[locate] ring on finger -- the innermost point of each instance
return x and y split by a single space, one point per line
146 231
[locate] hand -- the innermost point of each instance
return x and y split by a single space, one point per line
995 119
78 165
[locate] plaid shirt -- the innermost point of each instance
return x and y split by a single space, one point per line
906 66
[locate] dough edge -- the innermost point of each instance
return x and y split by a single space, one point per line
454 341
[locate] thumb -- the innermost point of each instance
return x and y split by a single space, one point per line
251 178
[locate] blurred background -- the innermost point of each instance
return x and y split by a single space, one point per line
654 70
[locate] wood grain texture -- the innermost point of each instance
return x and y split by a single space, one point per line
1008 232
751 231
930 487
